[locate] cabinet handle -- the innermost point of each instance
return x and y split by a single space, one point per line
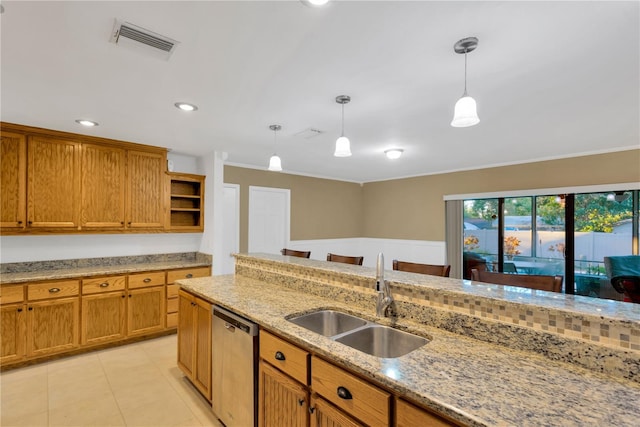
147 280
19 222
121 222
104 285
280 356
300 402
129 223
30 308
343 393
54 290
189 276
30 222
20 310
123 296
311 409
130 295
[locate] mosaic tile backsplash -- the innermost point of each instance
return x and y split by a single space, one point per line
601 335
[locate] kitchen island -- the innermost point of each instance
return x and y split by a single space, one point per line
477 368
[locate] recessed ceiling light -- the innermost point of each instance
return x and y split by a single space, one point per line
185 107
87 123
394 153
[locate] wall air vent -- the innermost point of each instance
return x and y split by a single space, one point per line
130 35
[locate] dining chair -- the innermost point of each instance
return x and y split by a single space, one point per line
531 281
414 267
356 260
300 254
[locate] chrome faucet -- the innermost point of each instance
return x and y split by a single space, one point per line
382 287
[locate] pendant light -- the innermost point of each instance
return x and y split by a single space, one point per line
465 113
343 146
274 162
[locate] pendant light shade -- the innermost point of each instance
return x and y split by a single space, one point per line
343 146
275 164
465 112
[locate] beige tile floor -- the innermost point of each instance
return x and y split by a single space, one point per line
134 385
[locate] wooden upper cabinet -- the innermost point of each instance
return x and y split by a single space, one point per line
53 183
13 177
145 189
103 187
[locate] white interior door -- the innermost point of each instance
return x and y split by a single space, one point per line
231 229
268 219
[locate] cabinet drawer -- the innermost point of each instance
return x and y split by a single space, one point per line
97 285
172 291
11 294
187 273
172 305
172 320
408 415
144 280
48 290
284 356
357 397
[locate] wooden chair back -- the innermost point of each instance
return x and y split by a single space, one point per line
531 281
291 252
414 267
357 260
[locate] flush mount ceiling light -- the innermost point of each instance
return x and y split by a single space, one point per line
274 162
343 146
394 153
465 113
185 106
88 123
315 3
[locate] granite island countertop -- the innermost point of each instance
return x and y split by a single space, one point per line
471 381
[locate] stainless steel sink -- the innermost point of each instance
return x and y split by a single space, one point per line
382 341
329 322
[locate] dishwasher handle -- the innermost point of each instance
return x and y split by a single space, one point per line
233 321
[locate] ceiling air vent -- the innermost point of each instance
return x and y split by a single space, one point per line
127 34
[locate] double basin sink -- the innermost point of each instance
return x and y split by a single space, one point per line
368 337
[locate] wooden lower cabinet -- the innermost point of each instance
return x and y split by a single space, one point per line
103 317
13 324
53 326
324 414
282 401
145 310
194 341
409 415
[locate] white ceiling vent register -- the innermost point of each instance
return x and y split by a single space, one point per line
135 37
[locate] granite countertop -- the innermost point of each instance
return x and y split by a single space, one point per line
68 272
471 381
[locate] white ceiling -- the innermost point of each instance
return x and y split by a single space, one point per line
551 79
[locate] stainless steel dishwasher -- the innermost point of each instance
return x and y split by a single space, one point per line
234 369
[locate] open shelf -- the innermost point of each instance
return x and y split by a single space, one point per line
185 202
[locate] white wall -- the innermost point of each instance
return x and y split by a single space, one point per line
422 251
72 246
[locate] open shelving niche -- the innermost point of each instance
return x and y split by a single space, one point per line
186 201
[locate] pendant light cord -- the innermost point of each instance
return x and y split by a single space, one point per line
342 134
465 73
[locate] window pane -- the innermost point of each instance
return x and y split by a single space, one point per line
603 227
480 234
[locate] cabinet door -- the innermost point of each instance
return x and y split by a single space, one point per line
324 414
103 187
12 334
53 326
145 189
53 181
146 312
282 402
408 415
186 333
202 374
103 317
13 177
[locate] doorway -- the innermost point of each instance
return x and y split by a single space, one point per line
268 219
